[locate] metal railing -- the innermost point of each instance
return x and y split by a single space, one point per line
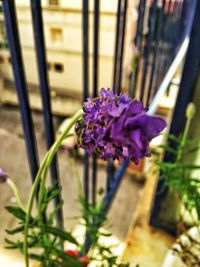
156 49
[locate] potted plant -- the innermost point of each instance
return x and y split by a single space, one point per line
113 127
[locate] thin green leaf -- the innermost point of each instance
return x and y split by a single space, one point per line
174 138
169 149
13 245
17 212
61 233
190 166
15 230
34 256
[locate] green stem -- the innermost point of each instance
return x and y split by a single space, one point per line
16 194
184 139
76 174
41 176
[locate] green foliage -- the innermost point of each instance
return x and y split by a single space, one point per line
177 174
94 217
44 238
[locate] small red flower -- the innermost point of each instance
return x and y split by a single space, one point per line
74 253
84 260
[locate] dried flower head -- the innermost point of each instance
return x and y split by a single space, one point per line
117 127
3 176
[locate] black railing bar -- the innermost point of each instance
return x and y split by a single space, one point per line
187 30
94 178
160 62
184 16
110 165
190 16
122 41
170 74
155 53
180 33
110 174
139 33
21 85
95 88
178 8
115 72
85 36
96 47
148 48
86 176
174 36
138 41
132 83
38 32
119 58
115 184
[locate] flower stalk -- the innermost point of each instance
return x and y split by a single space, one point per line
41 178
16 194
190 112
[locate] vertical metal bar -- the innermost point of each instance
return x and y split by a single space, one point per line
94 178
110 165
96 47
121 52
156 48
95 89
85 17
44 89
148 47
20 81
184 15
115 74
115 184
85 50
177 32
162 52
110 173
140 23
138 43
137 37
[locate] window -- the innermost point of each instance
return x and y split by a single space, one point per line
54 2
58 67
56 36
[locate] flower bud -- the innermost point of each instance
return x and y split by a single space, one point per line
74 253
190 110
84 260
3 176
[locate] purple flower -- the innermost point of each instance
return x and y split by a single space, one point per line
117 127
3 176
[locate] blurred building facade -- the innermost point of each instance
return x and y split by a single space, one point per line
63 35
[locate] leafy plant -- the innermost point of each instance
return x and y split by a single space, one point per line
177 174
44 237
